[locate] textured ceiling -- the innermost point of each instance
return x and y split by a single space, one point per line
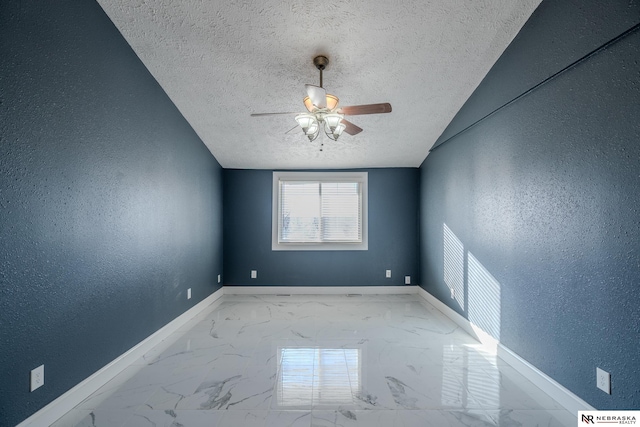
220 61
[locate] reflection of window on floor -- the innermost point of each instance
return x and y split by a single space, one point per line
322 375
469 371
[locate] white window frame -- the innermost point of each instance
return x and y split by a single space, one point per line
361 177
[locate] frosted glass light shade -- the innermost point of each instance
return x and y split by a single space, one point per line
335 133
308 104
332 120
306 121
332 103
312 129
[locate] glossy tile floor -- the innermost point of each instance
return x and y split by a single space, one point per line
373 360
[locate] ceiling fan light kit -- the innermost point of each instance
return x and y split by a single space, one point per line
330 122
331 103
323 110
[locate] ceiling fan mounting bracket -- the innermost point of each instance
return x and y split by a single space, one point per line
321 62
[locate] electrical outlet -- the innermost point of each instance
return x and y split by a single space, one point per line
388 274
453 293
189 293
407 280
254 274
219 278
603 380
37 377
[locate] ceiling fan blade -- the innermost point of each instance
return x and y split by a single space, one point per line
293 128
270 114
350 128
317 95
356 110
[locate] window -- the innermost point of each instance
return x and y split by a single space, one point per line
319 211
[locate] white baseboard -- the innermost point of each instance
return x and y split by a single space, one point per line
556 391
319 290
449 312
547 384
69 400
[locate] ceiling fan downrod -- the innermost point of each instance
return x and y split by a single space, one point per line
321 63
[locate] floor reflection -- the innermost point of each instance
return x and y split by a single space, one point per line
324 376
468 370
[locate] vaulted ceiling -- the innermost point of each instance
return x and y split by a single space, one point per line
220 61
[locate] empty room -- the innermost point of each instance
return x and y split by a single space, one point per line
342 213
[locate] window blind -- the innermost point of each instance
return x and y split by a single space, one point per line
316 211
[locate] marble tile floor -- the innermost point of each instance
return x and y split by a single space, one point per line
302 361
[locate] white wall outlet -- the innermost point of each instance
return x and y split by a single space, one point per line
219 278
603 380
189 293
387 274
407 280
254 274
37 377
453 293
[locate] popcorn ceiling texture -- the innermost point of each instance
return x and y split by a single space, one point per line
221 61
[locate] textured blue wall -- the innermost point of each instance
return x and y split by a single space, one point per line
110 205
393 236
557 34
543 197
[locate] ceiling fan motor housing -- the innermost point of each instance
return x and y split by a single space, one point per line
321 62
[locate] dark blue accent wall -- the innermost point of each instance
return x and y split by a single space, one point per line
393 236
542 198
110 205
557 34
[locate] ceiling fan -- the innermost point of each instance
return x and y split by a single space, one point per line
323 111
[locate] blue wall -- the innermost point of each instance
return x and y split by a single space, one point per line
536 208
393 236
110 205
